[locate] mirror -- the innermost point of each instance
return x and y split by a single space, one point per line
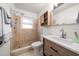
66 13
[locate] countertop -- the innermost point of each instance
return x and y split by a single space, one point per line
74 47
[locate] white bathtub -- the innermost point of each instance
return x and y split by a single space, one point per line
20 51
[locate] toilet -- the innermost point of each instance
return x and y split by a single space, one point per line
38 48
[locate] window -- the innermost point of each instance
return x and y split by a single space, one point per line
26 23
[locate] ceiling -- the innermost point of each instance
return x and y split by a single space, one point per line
32 7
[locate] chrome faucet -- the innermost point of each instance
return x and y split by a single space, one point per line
63 34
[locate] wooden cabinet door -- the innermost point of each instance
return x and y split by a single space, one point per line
53 49
48 50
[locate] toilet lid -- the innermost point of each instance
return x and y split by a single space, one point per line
38 43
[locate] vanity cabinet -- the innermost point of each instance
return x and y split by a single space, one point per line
52 49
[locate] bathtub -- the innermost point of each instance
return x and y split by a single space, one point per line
20 51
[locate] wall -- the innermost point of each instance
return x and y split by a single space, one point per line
5 48
55 30
29 36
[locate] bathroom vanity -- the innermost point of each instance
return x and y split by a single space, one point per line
54 47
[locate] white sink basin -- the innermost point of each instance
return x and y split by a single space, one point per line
58 38
67 41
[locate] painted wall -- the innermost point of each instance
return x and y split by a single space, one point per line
5 48
55 30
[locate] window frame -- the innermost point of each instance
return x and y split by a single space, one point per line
28 23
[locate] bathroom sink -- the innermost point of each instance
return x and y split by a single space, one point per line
58 38
67 41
